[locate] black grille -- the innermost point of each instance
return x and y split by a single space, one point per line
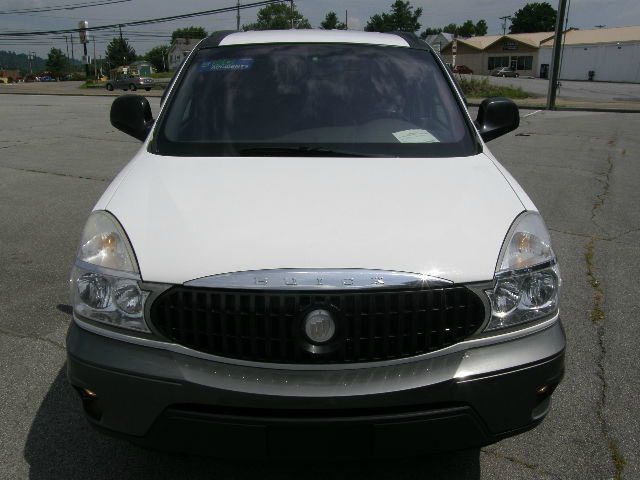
266 326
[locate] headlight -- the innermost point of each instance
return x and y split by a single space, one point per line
105 282
527 279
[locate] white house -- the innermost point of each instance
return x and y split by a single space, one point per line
439 40
179 51
612 54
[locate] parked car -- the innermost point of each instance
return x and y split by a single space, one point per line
314 254
130 82
504 72
463 69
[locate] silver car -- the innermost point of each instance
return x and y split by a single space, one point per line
130 82
504 72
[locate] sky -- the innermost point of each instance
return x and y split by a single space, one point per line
436 13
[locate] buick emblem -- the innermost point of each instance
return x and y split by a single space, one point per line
319 326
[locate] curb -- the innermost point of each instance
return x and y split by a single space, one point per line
75 94
568 108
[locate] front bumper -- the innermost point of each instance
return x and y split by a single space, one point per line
171 401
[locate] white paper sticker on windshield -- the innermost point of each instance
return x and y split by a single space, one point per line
415 136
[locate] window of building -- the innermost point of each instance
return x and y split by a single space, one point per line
498 62
524 63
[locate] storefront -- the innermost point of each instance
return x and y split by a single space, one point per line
485 54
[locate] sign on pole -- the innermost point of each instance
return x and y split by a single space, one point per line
83 25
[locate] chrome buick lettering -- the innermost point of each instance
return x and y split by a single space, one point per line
317 279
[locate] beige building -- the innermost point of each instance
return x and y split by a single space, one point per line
603 54
484 54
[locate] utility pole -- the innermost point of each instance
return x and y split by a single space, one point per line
504 23
73 58
95 61
66 41
238 17
557 50
346 19
292 14
120 27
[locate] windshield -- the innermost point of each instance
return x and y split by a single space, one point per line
328 99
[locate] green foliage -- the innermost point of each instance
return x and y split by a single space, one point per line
278 16
481 88
188 32
331 22
430 31
467 29
119 53
452 28
481 28
57 62
402 18
534 17
157 56
20 61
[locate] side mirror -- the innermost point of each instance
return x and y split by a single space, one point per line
497 116
131 114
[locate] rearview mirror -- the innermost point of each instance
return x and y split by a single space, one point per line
497 116
131 114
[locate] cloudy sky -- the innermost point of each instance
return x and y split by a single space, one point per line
583 14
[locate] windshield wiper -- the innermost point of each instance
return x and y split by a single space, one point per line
301 151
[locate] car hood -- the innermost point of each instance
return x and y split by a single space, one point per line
194 217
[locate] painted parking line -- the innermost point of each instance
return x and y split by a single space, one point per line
532 113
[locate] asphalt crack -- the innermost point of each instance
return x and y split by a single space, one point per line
24 336
598 316
515 460
598 238
57 174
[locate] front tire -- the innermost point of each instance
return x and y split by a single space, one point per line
147 89
132 87
109 87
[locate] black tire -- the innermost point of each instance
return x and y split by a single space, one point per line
147 89
109 87
132 87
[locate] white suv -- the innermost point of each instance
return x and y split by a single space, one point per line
314 253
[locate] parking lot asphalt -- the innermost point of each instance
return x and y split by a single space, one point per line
576 90
57 155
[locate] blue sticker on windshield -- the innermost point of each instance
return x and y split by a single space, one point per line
226 64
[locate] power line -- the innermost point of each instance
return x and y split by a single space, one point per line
69 6
143 22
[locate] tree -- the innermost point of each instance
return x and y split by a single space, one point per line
534 17
188 32
430 31
452 28
278 16
119 53
57 62
157 56
481 28
402 18
331 22
467 29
